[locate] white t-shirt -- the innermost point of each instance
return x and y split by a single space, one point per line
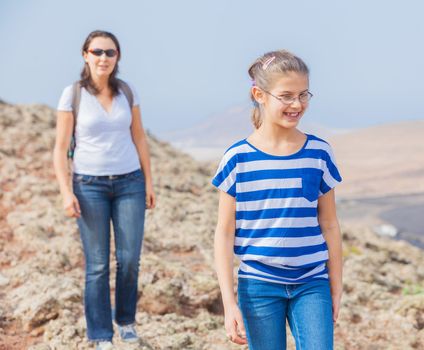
104 144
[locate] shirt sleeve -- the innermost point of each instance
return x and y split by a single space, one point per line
65 101
331 176
225 177
136 99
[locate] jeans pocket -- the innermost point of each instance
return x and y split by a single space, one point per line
310 187
83 179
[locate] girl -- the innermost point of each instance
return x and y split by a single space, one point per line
277 212
111 181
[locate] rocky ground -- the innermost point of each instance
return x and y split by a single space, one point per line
41 262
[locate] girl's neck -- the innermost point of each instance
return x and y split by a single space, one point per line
275 135
277 141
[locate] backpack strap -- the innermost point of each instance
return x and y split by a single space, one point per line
127 92
76 98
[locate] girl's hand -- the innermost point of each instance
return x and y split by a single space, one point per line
150 196
336 296
234 325
71 205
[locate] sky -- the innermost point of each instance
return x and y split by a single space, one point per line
188 59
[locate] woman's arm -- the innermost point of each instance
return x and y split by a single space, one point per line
224 243
329 224
64 129
140 141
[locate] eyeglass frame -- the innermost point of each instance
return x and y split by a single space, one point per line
308 93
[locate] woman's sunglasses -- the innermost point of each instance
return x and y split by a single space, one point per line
100 52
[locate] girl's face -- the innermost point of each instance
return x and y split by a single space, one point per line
103 65
277 111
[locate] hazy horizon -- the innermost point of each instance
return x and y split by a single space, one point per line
189 60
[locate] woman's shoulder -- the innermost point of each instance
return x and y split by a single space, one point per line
129 90
126 84
65 101
68 89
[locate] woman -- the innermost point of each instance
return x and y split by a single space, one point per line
111 182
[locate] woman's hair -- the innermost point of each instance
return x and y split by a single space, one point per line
269 67
86 79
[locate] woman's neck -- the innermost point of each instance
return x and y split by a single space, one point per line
102 83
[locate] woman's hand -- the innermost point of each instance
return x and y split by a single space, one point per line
150 196
71 205
234 325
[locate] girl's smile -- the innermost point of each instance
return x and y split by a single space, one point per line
289 87
285 104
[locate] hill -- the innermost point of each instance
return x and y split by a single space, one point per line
179 307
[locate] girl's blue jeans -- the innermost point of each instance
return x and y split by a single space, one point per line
265 306
120 199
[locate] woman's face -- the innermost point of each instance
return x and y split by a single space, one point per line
293 86
101 66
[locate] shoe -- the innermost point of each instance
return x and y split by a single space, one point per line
104 345
128 333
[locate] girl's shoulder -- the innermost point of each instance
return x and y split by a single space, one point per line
241 146
319 144
236 145
312 137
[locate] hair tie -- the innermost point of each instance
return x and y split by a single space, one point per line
268 62
253 82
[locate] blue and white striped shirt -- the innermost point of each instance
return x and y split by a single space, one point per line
278 237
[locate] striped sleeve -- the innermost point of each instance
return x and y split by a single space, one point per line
225 177
331 176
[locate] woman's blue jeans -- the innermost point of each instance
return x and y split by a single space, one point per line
120 199
265 306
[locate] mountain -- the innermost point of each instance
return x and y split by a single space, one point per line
382 160
207 140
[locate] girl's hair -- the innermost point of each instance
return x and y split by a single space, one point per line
266 69
86 79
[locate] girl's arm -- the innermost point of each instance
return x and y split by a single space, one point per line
329 224
64 129
140 141
224 243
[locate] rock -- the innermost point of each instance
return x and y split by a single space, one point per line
4 281
386 230
40 347
54 298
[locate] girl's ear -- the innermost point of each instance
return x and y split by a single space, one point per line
258 94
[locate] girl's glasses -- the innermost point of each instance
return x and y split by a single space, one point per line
100 52
304 97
